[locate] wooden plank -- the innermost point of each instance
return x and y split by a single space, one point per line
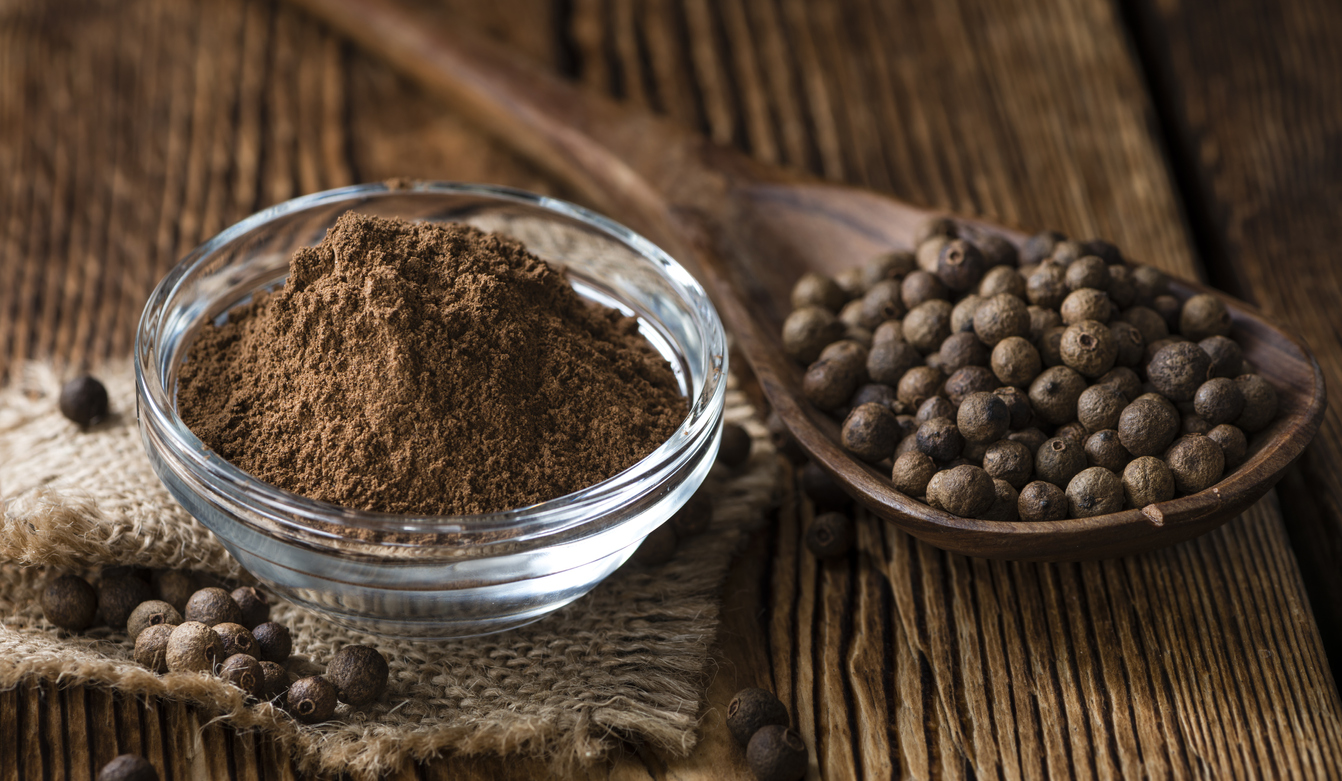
1250 94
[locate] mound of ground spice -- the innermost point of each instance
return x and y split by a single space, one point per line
427 369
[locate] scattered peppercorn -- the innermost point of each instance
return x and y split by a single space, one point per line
128 767
151 647
273 642
822 489
84 400
736 443
311 700
149 613
70 602
776 753
193 647
174 587
830 535
244 672
751 710
118 596
359 673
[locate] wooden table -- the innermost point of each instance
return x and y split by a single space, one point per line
1201 137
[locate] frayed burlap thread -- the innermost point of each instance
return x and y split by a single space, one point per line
628 662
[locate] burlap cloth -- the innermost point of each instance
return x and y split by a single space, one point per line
628 662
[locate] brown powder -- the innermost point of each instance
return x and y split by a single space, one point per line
427 369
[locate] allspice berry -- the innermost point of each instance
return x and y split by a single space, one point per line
1103 448
960 265
927 325
806 332
1122 291
871 393
1204 315
918 385
830 535
83 400
983 418
1169 308
1047 286
1226 354
128 767
1010 461
175 587
69 602
961 350
919 287
1088 347
359 673
895 264
1040 246
118 596
1150 281
751 710
273 642
998 251
1099 407
817 290
1124 379
911 473
776 753
151 613
1073 431
1148 323
1002 279
1004 503
1094 491
1178 370
1054 394
311 700
1016 362
151 647
829 384
244 672
935 407
882 302
1234 445
1088 272
823 491
1050 346
734 449
1147 426
254 604
1041 501
1219 400
1001 316
969 380
1041 320
1018 404
1129 349
275 680
1031 438
1147 480
1059 460
1086 304
236 639
966 491
1260 403
193 647
940 439
1196 462
870 432
211 606
888 360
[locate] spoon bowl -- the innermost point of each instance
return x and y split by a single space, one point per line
748 232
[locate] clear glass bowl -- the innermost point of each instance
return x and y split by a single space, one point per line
483 573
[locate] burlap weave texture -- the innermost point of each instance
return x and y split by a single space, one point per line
627 662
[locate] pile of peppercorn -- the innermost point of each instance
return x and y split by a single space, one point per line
178 627
1038 383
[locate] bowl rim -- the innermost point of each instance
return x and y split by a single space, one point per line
308 517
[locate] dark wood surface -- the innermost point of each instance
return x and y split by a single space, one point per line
130 132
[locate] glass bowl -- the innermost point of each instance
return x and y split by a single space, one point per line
476 573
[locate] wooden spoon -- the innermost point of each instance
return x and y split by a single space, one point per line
749 232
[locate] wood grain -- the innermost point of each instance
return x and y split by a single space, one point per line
1264 178
1200 661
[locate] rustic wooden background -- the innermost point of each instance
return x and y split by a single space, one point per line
1202 136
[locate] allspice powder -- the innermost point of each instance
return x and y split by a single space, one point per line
419 368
